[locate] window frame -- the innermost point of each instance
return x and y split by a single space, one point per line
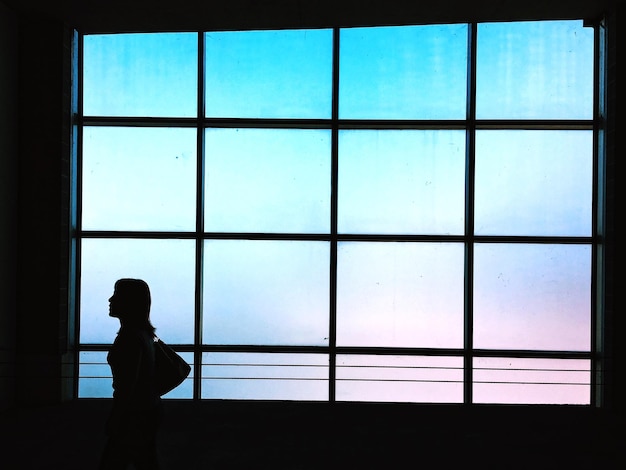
335 125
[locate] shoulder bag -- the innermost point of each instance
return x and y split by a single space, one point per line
170 368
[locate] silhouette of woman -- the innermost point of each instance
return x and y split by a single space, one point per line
136 413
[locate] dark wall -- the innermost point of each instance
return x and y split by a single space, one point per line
43 187
35 324
8 202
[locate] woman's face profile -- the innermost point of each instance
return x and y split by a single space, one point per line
114 304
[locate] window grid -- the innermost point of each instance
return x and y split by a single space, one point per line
470 125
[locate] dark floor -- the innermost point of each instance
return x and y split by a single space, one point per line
298 436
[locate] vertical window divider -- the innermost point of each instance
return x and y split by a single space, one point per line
332 338
76 168
598 321
200 148
470 149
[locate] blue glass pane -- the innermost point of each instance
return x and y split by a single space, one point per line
529 296
534 70
166 265
400 294
405 72
254 376
269 74
534 183
94 375
401 182
265 292
269 180
139 178
152 74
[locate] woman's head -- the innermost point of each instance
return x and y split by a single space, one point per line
130 302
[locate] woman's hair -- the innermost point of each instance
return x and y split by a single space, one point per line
134 297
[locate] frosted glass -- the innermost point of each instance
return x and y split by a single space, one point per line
403 72
534 70
411 379
401 182
268 180
166 265
94 375
532 296
269 74
140 74
400 294
532 381
265 292
139 179
534 183
253 376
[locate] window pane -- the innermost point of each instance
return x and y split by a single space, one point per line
139 178
400 294
185 389
140 74
405 72
166 265
251 376
265 292
400 379
94 375
532 296
401 182
95 380
534 70
532 381
269 74
269 180
534 182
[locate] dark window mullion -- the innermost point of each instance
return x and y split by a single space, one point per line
197 381
332 339
469 216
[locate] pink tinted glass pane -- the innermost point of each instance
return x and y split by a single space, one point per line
532 296
399 379
532 381
400 294
260 376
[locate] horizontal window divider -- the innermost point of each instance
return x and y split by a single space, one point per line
535 124
135 234
556 239
342 124
363 350
531 354
267 123
153 234
118 121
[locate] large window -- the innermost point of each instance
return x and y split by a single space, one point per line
393 214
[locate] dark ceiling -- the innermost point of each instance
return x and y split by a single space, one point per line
162 15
